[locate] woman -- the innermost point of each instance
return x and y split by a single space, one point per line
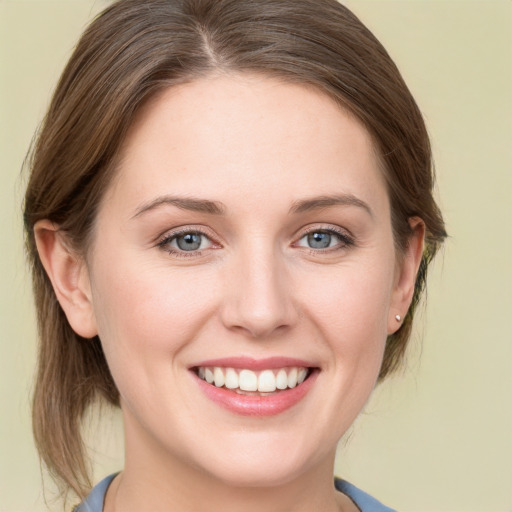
230 219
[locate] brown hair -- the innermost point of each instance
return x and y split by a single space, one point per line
133 50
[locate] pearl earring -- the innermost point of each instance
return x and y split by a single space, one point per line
398 318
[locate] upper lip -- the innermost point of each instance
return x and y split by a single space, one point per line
244 362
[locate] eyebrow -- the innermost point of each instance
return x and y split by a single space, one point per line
319 202
218 208
184 203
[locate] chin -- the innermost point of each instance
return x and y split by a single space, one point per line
259 464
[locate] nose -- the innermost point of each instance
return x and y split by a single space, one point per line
258 298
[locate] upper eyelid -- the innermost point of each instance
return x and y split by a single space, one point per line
175 232
338 230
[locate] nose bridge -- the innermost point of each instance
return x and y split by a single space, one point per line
259 300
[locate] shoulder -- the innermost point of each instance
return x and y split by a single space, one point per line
94 502
363 501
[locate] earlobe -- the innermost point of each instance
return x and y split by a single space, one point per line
407 270
69 277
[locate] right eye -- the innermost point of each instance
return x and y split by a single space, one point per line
185 242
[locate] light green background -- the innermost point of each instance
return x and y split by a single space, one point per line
438 438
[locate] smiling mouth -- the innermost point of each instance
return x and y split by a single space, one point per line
248 382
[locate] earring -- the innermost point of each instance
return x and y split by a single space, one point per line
398 318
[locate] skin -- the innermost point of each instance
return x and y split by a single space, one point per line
255 288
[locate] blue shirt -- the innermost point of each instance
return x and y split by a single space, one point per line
96 499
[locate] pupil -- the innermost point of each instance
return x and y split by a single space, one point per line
319 240
189 242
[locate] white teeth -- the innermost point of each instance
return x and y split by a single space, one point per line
248 381
281 379
218 377
231 379
264 382
292 378
267 381
208 375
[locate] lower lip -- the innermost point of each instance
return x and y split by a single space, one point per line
254 405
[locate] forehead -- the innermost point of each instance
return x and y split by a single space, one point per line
231 133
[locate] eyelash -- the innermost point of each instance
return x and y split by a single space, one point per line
345 241
168 238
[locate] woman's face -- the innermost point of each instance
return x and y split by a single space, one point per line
246 239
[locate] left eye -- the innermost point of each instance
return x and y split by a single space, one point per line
321 240
189 241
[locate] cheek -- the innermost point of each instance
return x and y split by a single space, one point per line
149 315
351 307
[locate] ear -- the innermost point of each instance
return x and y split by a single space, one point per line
69 277
406 272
